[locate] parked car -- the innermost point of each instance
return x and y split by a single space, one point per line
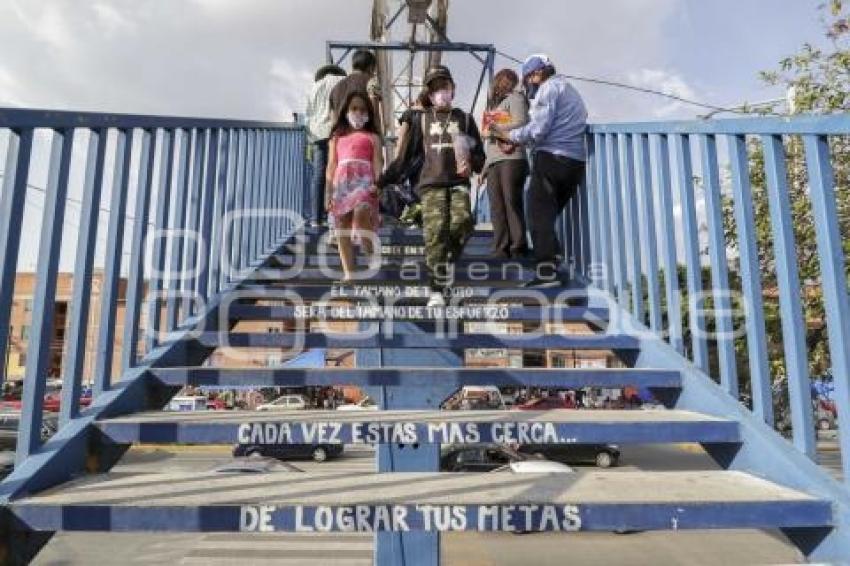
365 404
547 404
478 457
10 421
285 403
188 403
317 452
601 455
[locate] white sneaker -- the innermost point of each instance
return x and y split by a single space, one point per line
436 300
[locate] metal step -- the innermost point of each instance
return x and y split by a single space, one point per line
418 377
563 426
413 248
291 501
414 275
410 294
401 340
417 313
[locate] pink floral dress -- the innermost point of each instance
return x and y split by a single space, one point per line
354 177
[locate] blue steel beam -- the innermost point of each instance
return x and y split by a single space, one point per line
793 329
669 260
111 277
417 342
135 284
760 378
693 258
176 279
193 223
72 368
452 378
12 201
630 220
156 281
721 292
833 277
467 430
648 230
44 296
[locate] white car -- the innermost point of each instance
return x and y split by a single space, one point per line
365 404
285 403
536 467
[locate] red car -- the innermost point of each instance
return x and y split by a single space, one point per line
547 403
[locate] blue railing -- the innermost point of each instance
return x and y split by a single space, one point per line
211 197
640 224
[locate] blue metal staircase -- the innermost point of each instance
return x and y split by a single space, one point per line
410 359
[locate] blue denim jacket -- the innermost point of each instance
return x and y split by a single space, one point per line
558 121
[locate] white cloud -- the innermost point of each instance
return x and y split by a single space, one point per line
667 82
111 20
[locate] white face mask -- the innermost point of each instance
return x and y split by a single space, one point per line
358 120
443 98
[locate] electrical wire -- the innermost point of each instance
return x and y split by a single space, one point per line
643 90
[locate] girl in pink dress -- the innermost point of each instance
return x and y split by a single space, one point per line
354 163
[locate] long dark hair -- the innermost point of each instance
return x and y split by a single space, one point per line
342 126
504 83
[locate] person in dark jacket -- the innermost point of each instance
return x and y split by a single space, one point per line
443 147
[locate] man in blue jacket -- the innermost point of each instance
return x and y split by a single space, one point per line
556 136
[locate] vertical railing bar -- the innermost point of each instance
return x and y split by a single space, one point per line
248 201
607 254
615 199
278 182
218 212
44 296
648 230
238 219
132 315
627 162
834 281
72 369
719 267
687 199
275 156
229 207
111 276
751 286
253 247
210 189
160 241
793 328
194 248
670 262
262 197
575 228
176 276
12 200
592 220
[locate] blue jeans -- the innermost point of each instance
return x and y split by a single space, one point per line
316 209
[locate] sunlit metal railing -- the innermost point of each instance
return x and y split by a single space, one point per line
210 198
662 203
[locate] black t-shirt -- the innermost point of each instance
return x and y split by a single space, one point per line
439 168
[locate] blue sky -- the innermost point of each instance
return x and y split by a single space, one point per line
252 58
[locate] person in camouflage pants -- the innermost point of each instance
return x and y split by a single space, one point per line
447 224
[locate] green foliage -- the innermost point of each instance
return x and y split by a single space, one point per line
818 82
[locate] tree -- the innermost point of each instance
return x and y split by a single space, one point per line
818 82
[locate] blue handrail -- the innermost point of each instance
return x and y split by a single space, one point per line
212 195
631 164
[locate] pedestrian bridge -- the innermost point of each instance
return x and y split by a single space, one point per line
202 227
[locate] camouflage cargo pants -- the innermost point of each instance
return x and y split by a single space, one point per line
447 222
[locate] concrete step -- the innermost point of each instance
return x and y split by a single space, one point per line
563 426
418 313
415 274
409 293
608 378
402 340
499 501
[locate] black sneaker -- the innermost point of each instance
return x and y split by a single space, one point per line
543 283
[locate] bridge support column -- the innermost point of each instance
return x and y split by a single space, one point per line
416 548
